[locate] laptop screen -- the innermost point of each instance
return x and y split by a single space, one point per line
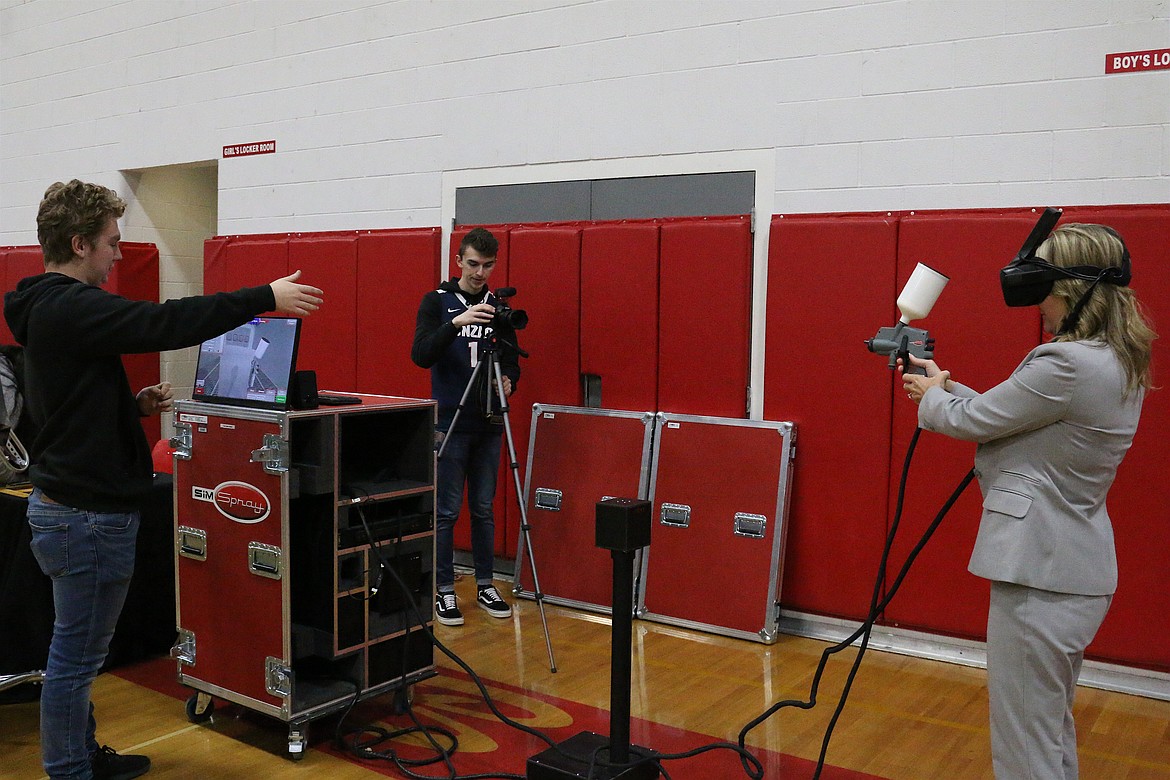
251 365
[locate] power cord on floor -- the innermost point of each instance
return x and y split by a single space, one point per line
365 749
876 606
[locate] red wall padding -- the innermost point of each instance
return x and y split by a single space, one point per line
704 325
830 287
619 312
19 262
135 276
232 262
672 298
329 335
980 341
394 270
373 280
1136 630
544 267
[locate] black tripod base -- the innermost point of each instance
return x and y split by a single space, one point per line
554 765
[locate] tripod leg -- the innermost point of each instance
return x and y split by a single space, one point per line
459 409
524 528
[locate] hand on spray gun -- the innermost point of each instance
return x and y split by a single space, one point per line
916 384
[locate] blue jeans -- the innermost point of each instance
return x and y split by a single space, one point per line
90 557
472 457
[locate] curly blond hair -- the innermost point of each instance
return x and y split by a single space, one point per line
1113 313
74 209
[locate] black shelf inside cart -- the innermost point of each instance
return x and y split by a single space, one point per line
380 521
357 491
317 681
385 453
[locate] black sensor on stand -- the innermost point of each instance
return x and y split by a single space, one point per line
623 528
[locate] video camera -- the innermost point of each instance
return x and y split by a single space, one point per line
505 315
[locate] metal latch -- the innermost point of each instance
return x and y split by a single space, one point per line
547 498
184 649
749 525
274 454
192 543
181 442
277 677
678 515
264 559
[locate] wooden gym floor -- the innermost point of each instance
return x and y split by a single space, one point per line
906 719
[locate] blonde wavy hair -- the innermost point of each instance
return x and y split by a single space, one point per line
1113 313
74 209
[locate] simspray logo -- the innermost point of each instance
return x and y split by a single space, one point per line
237 501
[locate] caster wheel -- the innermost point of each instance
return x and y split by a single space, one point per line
200 708
297 744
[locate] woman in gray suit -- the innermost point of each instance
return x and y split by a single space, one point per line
1050 440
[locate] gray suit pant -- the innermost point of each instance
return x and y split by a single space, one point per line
1036 640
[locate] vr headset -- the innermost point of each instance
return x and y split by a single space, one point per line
1027 280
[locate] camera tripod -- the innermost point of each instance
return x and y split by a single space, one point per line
490 358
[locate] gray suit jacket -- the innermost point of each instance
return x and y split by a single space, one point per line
1050 440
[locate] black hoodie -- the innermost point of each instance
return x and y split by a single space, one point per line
90 451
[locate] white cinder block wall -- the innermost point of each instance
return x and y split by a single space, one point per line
858 106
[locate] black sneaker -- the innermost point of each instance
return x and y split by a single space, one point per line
447 610
108 765
489 599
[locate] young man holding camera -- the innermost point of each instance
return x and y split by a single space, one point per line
455 325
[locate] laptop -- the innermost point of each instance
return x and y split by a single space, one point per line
252 365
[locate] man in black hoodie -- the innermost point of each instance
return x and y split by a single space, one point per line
454 324
91 463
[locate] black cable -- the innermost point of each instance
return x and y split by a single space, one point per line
876 607
425 730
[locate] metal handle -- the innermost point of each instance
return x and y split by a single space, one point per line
749 525
548 499
264 560
677 515
192 543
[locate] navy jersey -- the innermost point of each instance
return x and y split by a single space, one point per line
453 353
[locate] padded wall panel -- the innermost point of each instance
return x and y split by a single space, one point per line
233 262
135 276
544 266
980 341
329 335
394 270
18 262
830 286
1136 631
705 292
215 262
619 312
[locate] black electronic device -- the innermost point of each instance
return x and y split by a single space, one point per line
304 390
328 399
251 365
1027 279
622 524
